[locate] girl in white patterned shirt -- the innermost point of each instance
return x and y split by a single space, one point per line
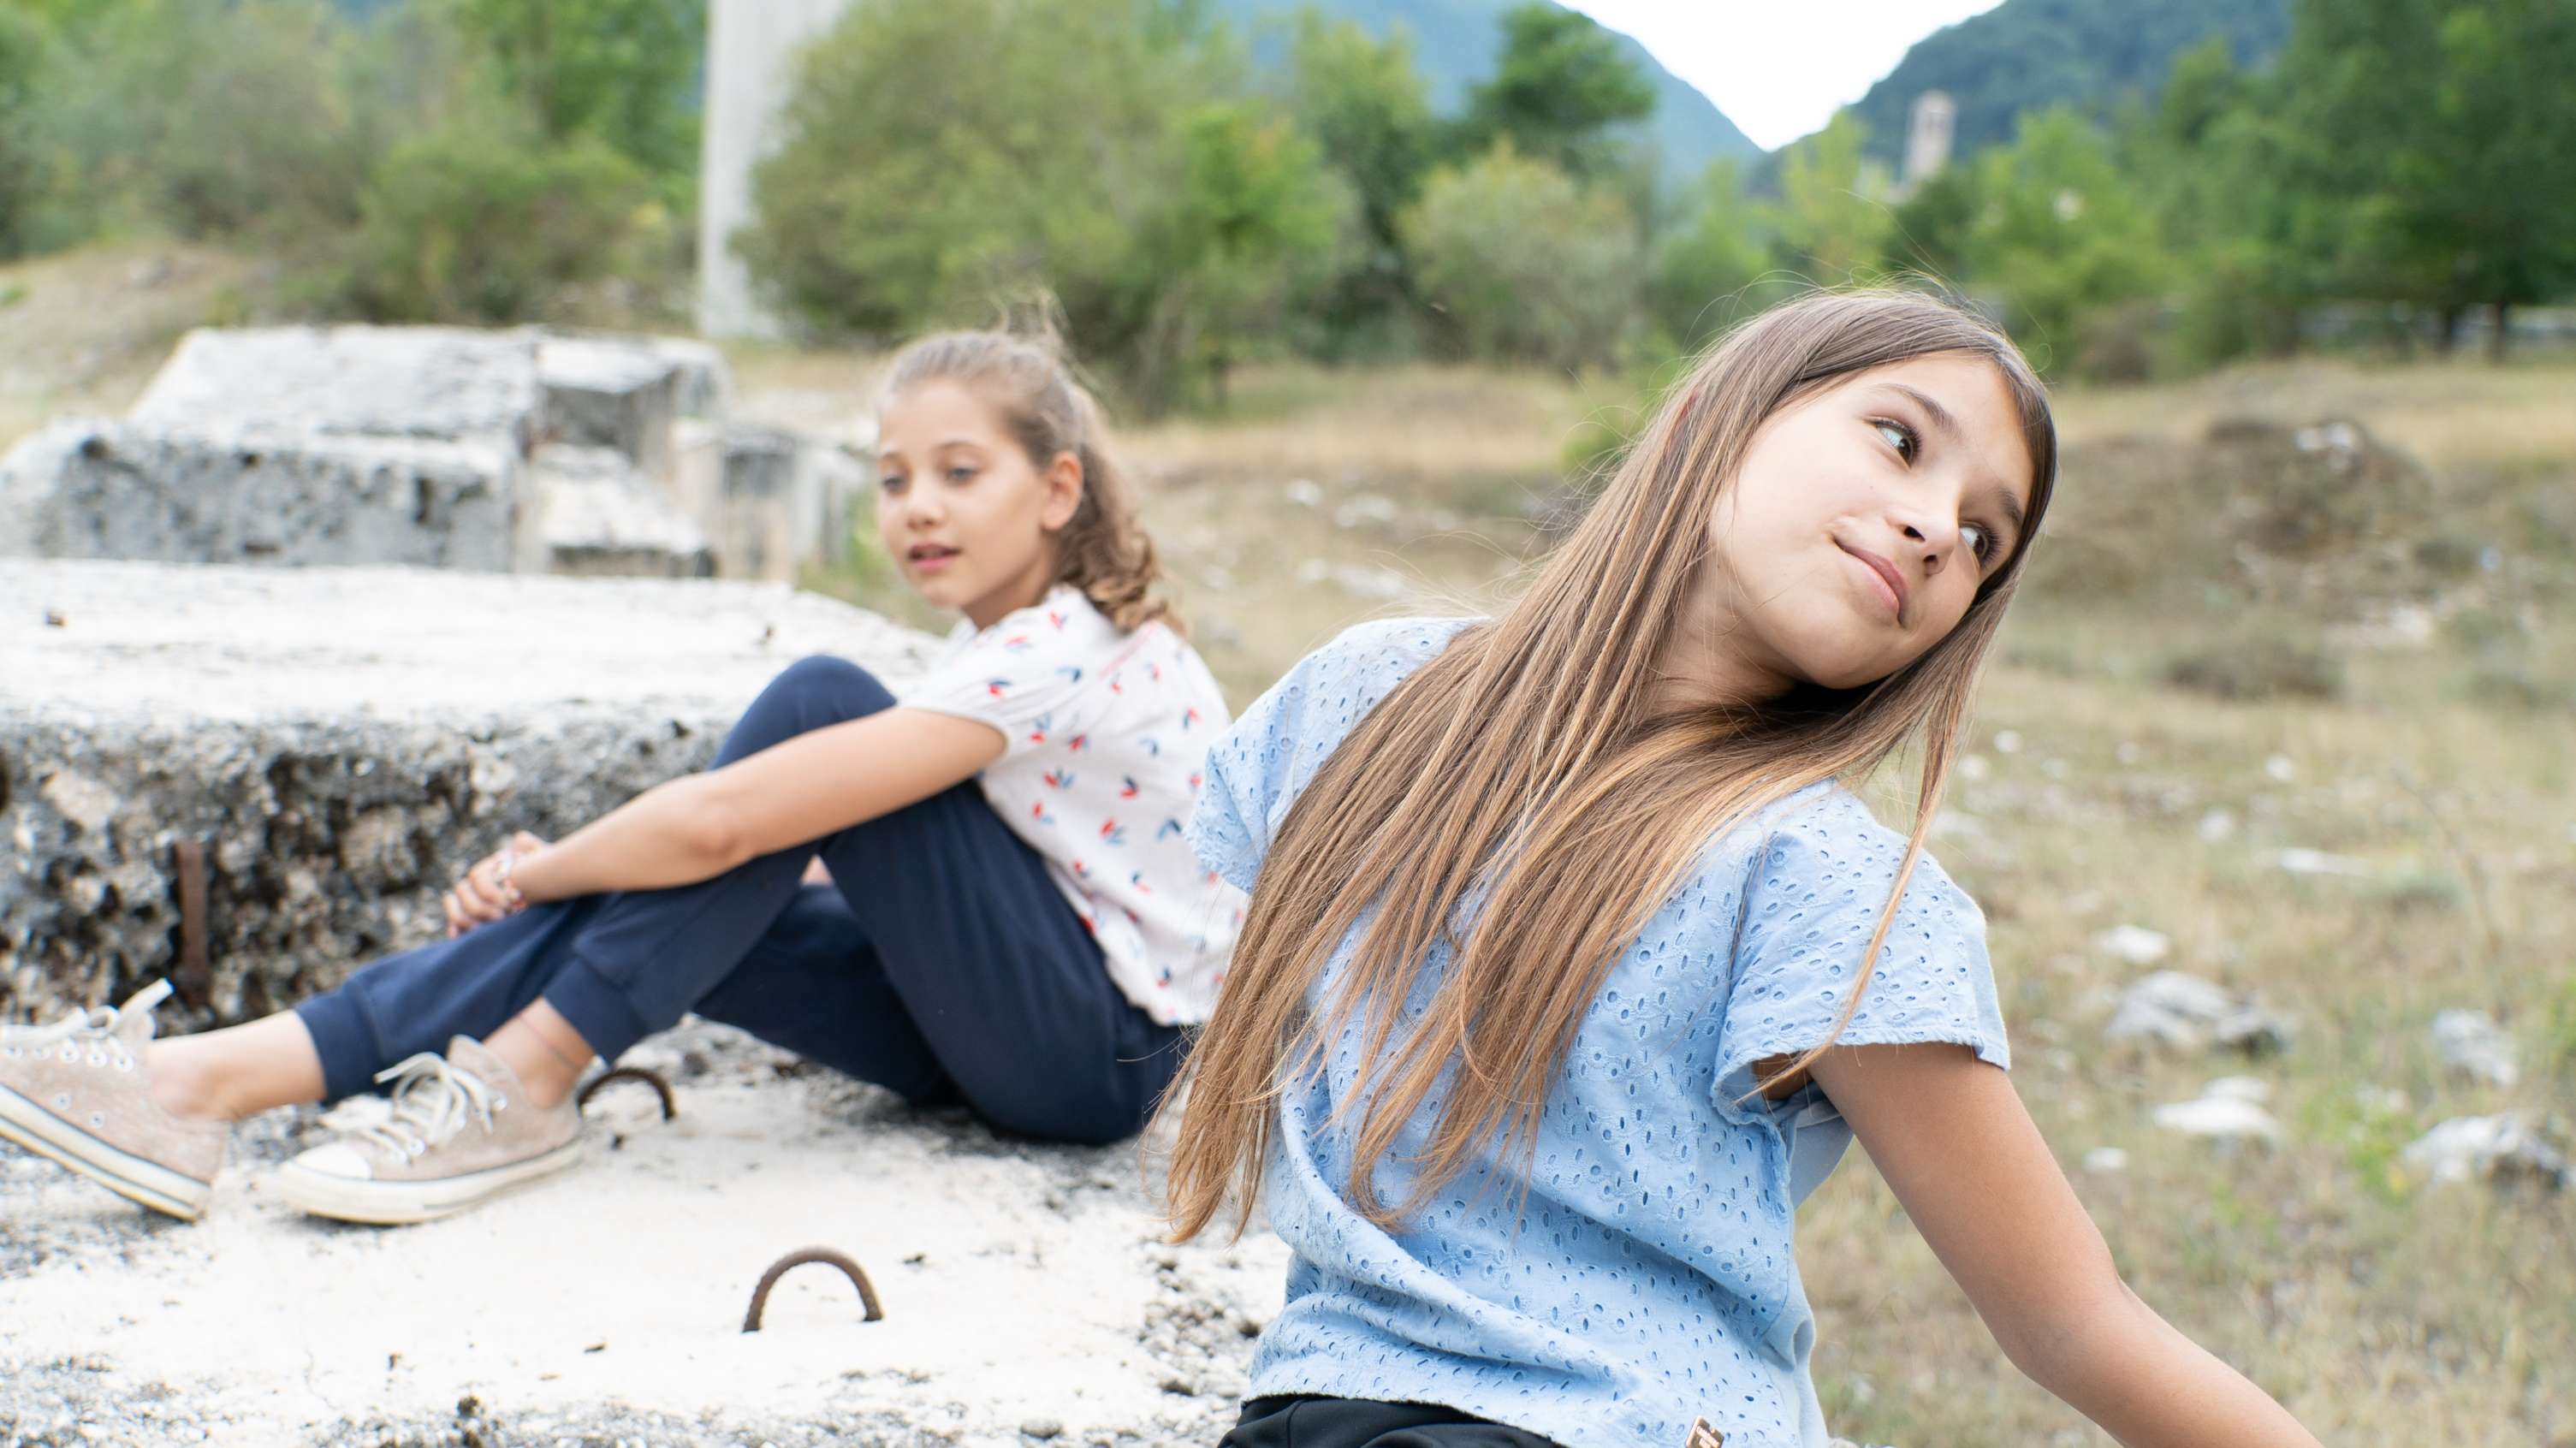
1006 913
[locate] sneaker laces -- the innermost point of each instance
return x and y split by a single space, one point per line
432 1101
98 1021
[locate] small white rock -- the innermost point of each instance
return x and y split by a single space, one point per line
2007 741
2216 825
2281 768
2470 1147
2299 861
1304 493
2237 1088
2106 1159
2219 1118
2472 1044
2134 944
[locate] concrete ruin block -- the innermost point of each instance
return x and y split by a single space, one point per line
259 493
705 383
434 382
601 518
756 535
612 393
786 500
340 743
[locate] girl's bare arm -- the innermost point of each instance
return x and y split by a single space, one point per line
701 825
1954 1142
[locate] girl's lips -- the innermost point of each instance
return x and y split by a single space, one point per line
1891 584
930 558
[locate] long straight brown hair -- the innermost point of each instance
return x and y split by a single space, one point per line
1529 752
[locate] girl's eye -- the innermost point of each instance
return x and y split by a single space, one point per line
1898 436
960 473
890 483
1981 541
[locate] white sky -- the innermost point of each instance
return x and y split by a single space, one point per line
1779 68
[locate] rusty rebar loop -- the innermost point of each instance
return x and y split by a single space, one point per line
780 1268
196 964
661 1088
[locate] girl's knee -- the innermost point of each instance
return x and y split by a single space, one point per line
831 685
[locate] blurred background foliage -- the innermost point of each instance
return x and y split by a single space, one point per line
1200 186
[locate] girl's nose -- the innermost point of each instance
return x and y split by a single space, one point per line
1929 539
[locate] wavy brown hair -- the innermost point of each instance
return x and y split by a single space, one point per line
1527 764
1104 550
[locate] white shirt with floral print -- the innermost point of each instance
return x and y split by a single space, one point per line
1105 746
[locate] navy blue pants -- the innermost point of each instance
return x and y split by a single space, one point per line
1312 1422
941 963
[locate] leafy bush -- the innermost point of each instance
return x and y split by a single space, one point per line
1708 268
1528 266
479 221
209 119
1094 155
24 51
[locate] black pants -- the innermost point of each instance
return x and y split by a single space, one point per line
941 962
1301 1422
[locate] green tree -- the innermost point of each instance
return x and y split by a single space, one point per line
1707 267
621 70
1369 109
25 49
1083 158
1929 231
2246 253
2062 235
2488 191
480 221
1559 89
209 120
1255 207
2433 144
1829 222
1526 264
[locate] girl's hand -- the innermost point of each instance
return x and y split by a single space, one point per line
486 894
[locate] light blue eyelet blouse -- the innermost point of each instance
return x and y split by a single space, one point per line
1648 1279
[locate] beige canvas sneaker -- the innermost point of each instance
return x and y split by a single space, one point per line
78 1091
459 1133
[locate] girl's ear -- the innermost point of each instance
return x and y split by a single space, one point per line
1063 483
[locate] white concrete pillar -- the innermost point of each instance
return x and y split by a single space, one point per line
751 54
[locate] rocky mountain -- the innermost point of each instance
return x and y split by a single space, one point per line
1454 43
2027 55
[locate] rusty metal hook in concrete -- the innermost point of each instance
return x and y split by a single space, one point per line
196 964
780 1268
660 1087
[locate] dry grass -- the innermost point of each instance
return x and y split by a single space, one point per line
2448 413
83 332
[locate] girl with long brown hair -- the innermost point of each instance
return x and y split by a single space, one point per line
1572 964
974 890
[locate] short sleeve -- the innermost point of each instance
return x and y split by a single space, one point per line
1230 828
1010 678
1813 897
1257 768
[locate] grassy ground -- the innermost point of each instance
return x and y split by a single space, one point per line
83 332
2415 720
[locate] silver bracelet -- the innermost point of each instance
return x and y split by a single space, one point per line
504 861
